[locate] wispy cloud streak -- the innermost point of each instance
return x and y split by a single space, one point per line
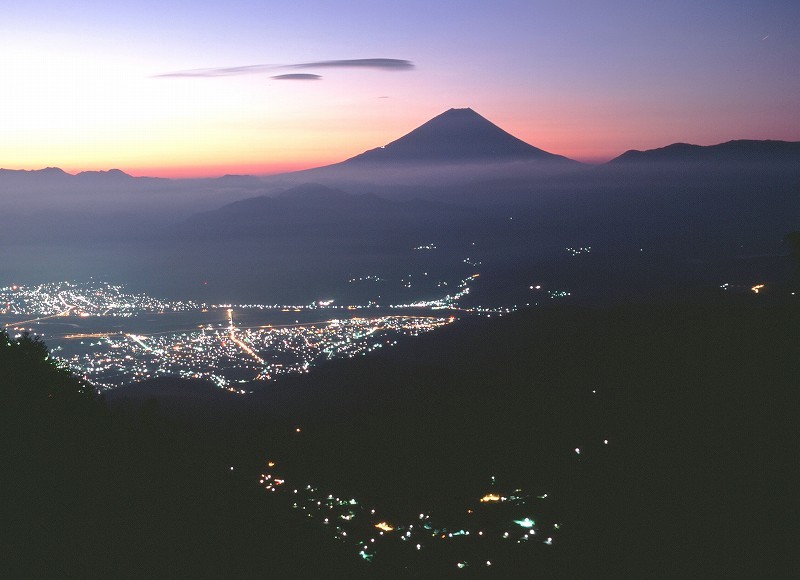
379 63
388 64
297 77
222 72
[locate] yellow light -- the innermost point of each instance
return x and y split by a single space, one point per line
490 497
756 288
384 526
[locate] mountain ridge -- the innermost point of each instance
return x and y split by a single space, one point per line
737 150
319 207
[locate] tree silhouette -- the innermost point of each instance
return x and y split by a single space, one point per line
29 376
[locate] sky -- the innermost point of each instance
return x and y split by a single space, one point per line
206 88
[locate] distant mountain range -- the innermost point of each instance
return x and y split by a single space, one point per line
456 161
56 179
739 151
56 173
457 137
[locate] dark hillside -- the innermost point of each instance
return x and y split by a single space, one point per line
697 402
93 494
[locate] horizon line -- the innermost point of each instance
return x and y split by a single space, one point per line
267 169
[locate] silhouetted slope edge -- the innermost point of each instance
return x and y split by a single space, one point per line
455 136
311 210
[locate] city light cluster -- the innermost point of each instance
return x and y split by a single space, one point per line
448 301
92 298
82 323
228 355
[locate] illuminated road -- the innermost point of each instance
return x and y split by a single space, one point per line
242 346
138 340
57 315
